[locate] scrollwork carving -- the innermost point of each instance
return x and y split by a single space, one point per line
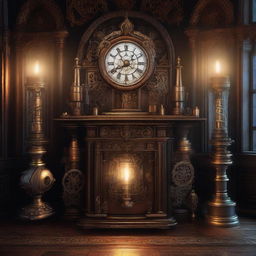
125 4
129 100
126 132
159 82
72 183
170 11
183 174
91 54
79 11
158 87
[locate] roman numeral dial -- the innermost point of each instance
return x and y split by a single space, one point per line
126 63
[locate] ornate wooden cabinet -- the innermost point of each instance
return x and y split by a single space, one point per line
126 161
123 154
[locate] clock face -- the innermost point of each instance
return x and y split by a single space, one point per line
126 63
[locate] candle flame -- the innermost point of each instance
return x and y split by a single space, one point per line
36 68
217 67
126 174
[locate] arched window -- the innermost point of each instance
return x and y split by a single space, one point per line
249 81
253 11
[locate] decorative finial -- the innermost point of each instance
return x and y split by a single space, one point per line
126 27
76 61
179 62
179 91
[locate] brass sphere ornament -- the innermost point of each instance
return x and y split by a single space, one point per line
36 181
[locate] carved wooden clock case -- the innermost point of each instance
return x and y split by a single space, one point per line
126 58
128 152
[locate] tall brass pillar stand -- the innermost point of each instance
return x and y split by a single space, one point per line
221 210
37 179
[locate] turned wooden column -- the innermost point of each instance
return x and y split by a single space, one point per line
59 45
192 34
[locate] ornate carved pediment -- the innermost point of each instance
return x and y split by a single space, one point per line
127 29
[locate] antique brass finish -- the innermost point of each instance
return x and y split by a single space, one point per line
179 91
221 210
184 145
37 179
76 95
73 180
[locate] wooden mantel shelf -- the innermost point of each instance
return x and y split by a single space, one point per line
124 117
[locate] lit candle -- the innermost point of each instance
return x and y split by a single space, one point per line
37 69
35 76
217 67
126 174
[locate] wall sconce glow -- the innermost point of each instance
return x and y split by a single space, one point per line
37 68
217 67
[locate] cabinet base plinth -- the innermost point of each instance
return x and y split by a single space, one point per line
222 214
94 223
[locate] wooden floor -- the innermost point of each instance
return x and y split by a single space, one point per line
59 238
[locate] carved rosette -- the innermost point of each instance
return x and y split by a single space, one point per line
182 178
72 183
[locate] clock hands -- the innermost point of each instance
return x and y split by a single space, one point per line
126 63
113 70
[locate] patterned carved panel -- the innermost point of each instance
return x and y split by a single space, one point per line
72 183
80 11
126 132
128 146
170 11
125 4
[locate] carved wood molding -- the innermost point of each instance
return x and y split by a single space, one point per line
170 11
131 14
50 7
239 33
79 12
224 6
26 38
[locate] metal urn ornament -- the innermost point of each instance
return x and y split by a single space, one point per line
37 179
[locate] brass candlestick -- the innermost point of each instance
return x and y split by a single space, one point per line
37 179
221 210
179 91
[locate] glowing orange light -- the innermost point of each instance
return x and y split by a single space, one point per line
126 174
217 67
37 68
